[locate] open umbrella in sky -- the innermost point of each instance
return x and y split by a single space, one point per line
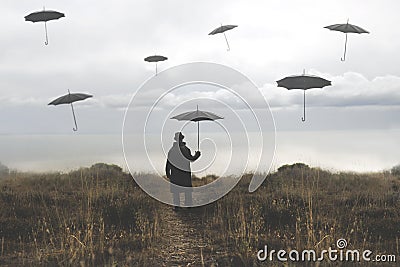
346 28
223 29
44 16
303 82
69 99
197 116
155 58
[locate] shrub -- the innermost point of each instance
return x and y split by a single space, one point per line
293 167
4 171
395 170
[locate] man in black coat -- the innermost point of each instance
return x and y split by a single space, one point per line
178 169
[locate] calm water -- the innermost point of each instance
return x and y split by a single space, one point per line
341 150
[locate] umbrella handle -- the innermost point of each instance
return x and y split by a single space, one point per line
45 29
345 48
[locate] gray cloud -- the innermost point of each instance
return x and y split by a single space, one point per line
98 48
348 90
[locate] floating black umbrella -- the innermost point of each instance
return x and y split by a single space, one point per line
197 116
44 16
223 29
346 28
155 58
69 99
303 82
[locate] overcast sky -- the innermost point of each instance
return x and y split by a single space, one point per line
99 47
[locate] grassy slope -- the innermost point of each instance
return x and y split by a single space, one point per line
99 216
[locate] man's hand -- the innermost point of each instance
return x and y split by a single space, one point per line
197 154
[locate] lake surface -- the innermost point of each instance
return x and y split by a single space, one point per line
362 151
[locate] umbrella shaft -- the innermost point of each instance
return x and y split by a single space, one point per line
226 39
304 106
345 49
45 29
73 114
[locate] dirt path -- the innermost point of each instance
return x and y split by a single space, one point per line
182 242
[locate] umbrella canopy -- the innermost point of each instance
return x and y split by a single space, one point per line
44 16
197 116
155 58
223 29
303 82
69 99
346 28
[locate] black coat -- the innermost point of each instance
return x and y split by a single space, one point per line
177 168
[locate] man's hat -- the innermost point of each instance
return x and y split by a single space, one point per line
178 136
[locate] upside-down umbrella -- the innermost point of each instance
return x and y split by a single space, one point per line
303 82
223 29
346 28
197 116
155 58
69 99
44 16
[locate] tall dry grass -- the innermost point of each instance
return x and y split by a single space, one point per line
98 216
307 208
88 217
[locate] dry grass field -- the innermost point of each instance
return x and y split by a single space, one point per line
98 216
